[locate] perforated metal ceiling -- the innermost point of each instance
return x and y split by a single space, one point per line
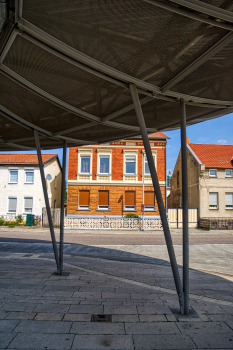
66 68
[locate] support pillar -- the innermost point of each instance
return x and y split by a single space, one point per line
41 166
185 208
62 208
158 194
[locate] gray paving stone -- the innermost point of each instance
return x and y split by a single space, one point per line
151 328
125 318
118 310
39 340
208 309
97 328
54 308
3 314
230 324
20 315
213 341
203 327
43 327
86 309
160 342
19 307
8 325
154 309
77 317
5 339
48 316
103 342
153 318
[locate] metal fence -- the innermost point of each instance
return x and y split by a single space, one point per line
175 216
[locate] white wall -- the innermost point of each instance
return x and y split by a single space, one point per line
22 189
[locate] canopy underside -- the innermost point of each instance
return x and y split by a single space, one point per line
66 68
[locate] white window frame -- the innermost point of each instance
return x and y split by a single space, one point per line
215 172
231 207
133 157
26 212
145 160
105 152
8 211
13 169
84 152
25 175
213 208
230 173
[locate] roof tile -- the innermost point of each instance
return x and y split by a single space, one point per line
217 156
22 158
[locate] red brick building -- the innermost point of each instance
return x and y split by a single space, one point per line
107 179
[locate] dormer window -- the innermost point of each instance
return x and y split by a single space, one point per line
213 173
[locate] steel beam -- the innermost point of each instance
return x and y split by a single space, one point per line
158 194
189 14
37 141
206 9
185 208
62 208
199 61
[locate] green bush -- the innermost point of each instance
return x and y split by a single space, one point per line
131 216
1 222
19 218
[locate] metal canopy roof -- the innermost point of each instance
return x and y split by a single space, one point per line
66 68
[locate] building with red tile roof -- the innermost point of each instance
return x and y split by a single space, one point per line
20 183
210 181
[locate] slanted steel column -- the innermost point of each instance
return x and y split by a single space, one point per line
185 208
158 194
62 208
37 141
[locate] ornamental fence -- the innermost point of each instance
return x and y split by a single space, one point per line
112 223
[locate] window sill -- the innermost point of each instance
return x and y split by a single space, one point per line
213 208
28 183
150 210
12 212
83 209
103 209
12 183
129 210
229 208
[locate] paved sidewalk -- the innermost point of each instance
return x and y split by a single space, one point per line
40 310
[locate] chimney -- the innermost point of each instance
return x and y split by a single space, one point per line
187 140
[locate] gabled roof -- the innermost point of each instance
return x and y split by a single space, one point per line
23 158
216 156
158 135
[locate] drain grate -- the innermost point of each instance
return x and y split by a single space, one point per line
101 318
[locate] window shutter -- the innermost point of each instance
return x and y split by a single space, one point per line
130 198
103 198
229 199
28 202
213 198
149 199
12 204
84 198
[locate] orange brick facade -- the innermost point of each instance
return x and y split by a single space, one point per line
116 186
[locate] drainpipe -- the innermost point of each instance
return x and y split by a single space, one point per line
3 14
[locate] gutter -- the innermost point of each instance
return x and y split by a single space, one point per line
3 14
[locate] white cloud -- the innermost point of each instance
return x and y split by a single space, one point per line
222 142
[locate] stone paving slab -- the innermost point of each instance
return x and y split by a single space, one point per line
102 342
58 314
162 342
43 341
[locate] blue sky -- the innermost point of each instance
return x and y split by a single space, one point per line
216 131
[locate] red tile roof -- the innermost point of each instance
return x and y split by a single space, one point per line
22 158
159 135
216 156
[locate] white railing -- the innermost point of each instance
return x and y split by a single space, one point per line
112 223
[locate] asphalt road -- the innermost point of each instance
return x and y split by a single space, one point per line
100 237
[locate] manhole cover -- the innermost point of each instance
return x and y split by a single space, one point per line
101 318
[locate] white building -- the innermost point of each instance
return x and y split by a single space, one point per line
20 183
